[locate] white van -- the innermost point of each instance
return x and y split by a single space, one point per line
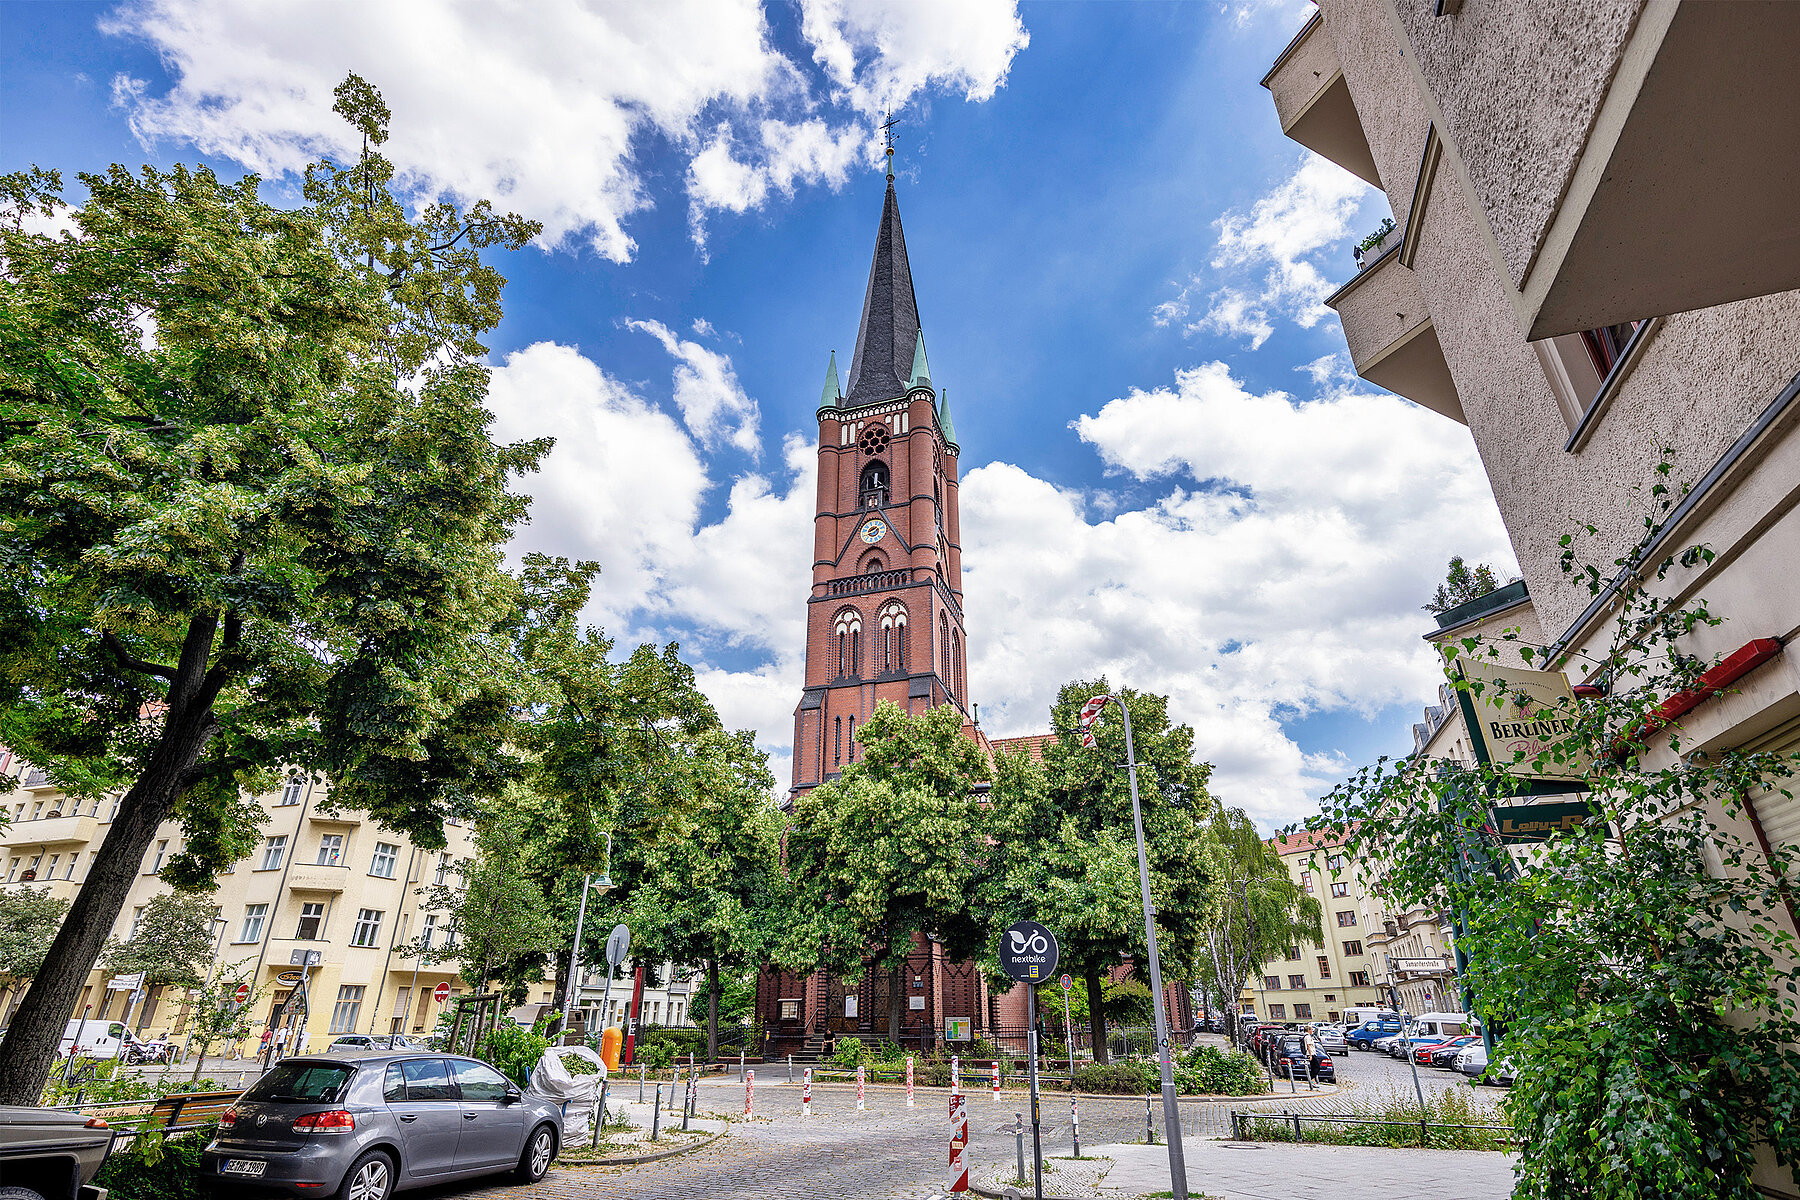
97 1039
1444 1025
1367 1012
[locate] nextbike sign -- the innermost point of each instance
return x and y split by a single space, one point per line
1029 953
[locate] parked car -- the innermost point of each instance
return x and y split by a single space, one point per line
1445 1054
1293 1048
1502 1073
1331 1039
1472 1060
370 1123
1363 1037
48 1154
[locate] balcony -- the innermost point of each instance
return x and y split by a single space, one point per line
1682 194
875 581
52 831
312 877
1313 102
1391 338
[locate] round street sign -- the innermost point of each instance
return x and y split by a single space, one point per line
242 993
1067 983
288 977
1028 952
618 945
441 992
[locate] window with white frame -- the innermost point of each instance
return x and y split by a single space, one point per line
893 636
311 924
331 849
137 921
428 930
156 862
291 792
368 927
274 849
347 1008
387 857
443 868
254 915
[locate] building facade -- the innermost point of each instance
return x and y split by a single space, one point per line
1594 266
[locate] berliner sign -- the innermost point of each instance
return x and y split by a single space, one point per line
1029 953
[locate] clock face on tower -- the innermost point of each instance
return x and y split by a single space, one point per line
873 531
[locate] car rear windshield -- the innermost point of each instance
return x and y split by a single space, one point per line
302 1083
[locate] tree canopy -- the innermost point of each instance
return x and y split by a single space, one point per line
1462 584
251 516
1260 911
29 918
172 943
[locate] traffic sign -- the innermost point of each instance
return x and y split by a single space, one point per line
1067 983
1028 952
241 994
618 945
441 992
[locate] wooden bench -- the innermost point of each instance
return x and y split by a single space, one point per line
189 1110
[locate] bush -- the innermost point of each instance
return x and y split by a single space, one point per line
513 1051
98 1081
1219 1072
685 1040
849 1052
655 1055
1117 1079
152 1167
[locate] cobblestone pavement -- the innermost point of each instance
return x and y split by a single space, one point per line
888 1152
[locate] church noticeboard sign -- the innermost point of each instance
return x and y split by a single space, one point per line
1515 714
1516 823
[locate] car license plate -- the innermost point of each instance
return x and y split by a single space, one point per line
242 1166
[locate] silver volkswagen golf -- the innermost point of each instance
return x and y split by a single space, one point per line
363 1126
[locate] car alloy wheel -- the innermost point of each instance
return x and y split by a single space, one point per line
371 1181
540 1153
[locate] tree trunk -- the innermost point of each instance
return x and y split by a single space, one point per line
712 1009
1090 973
894 998
33 1038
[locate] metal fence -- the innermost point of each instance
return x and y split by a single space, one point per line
1245 1126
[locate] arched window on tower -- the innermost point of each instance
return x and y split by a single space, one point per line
837 741
873 563
848 632
944 650
874 488
852 739
893 637
956 659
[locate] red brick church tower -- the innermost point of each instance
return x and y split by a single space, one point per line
885 619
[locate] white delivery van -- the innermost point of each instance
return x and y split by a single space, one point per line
1367 1012
1444 1025
95 1039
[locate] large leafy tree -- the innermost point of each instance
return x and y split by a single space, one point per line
1259 911
497 914
29 919
892 848
250 516
172 942
1070 858
1642 966
710 892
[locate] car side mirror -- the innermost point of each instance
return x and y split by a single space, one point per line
514 1095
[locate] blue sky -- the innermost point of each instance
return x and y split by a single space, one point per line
1169 474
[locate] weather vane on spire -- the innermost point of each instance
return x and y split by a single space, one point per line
887 132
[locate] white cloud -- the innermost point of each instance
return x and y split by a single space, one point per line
543 110
1236 315
704 327
712 401
1174 309
1280 573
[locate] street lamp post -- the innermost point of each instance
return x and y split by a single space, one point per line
1164 1052
603 885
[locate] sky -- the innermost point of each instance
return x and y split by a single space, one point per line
1170 475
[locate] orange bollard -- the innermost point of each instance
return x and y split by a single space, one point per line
611 1042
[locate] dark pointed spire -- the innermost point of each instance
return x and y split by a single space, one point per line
889 331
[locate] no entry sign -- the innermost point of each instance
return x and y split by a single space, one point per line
242 993
441 992
1029 953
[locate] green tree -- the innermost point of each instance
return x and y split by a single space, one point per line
710 891
251 515
1259 911
29 918
1461 585
214 1013
890 849
1071 860
497 913
1642 967
172 941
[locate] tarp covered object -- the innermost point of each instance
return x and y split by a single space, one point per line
578 1094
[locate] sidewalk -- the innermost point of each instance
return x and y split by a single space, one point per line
1276 1171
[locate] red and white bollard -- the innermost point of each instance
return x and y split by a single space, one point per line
860 1074
959 1141
955 1075
749 1092
909 1062
806 1094
996 1081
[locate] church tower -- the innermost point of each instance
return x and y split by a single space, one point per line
885 618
